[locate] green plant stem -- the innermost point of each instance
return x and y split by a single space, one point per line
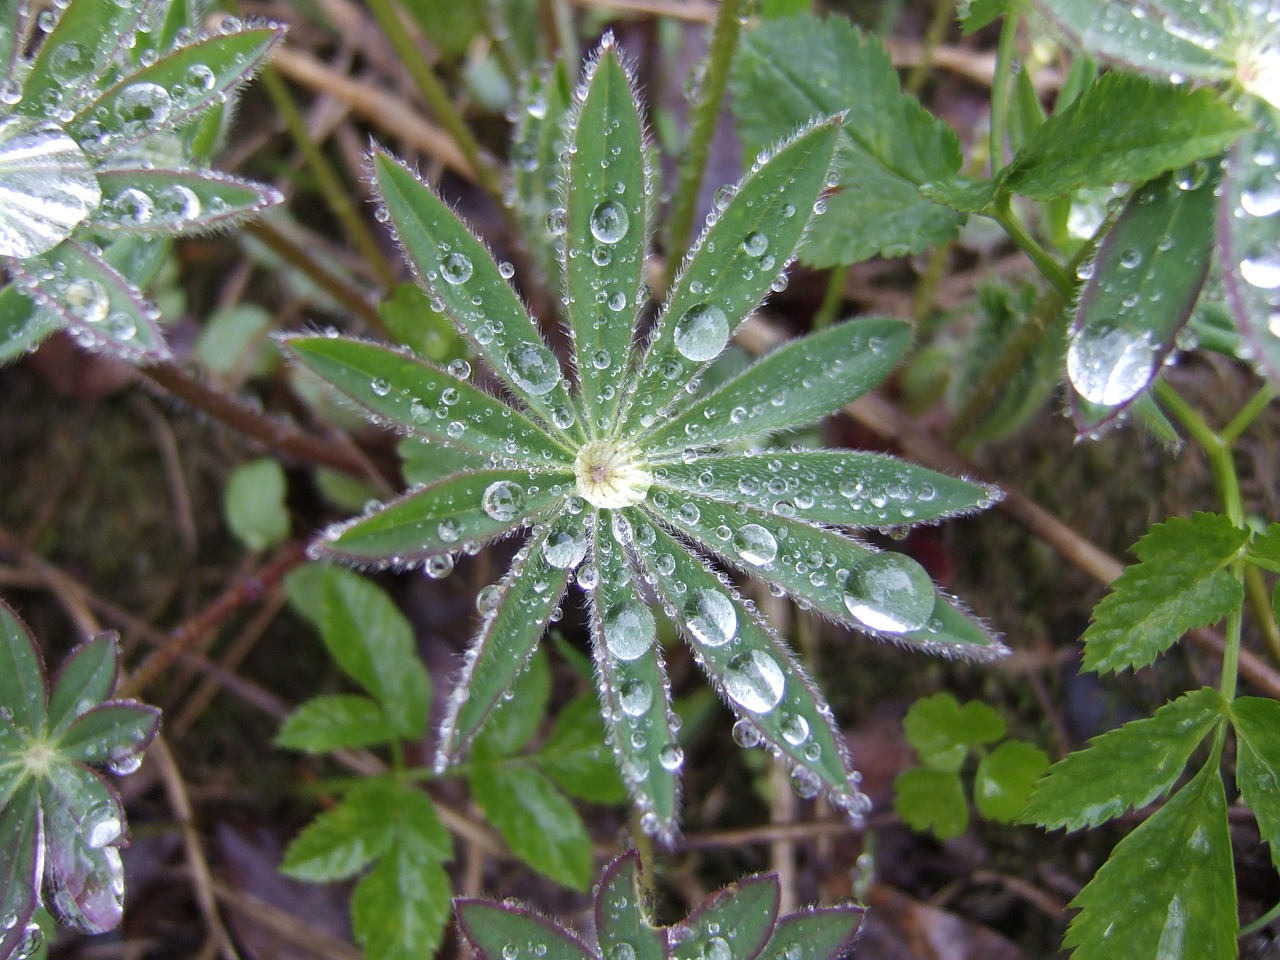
388 16
702 126
559 28
1255 592
1005 52
831 300
1002 213
930 280
933 35
335 193
1263 921
1248 413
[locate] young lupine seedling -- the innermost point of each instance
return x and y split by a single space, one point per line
739 922
61 824
632 482
103 110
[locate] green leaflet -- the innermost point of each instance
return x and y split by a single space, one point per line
1257 724
535 160
814 934
23 690
1122 128
795 385
114 732
741 917
976 14
20 861
607 197
342 841
1168 889
1179 583
789 70
619 922
576 757
151 201
326 723
88 675
411 321
83 829
494 929
931 800
254 503
1125 768
730 268
942 731
514 721
1005 777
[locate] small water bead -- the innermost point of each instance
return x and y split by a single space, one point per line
710 617
754 681
755 244
487 600
439 567
717 948
533 368
622 951
601 256
565 549
459 368
702 332
617 301
794 729
1108 364
557 221
70 62
143 106
506 270
503 500
609 221
601 359
805 783
890 592
1262 271
178 202
87 300
671 757
379 387
455 268
755 544
635 697
629 630
510 952
450 530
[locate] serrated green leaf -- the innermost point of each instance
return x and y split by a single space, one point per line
730 268
326 723
83 823
148 200
399 910
931 801
576 757
1168 889
1178 584
620 918
787 71
369 638
515 719
1146 278
408 316
254 503
1127 767
1249 235
424 401
526 597
795 385
534 817
750 665
1005 777
491 928
24 691
635 697
844 487
941 730
341 842
607 193
818 933
740 917
959 192
20 863
1257 724
1264 548
459 270
535 160
111 732
1123 128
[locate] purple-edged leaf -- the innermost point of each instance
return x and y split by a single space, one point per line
113 733
459 270
429 403
468 508
822 933
1145 280
740 917
173 89
145 200
84 828
495 929
620 918
23 324
101 309
1249 236
795 385
21 865
24 692
525 599
85 679
635 697
752 667
327 723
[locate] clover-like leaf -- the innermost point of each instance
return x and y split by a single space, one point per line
942 731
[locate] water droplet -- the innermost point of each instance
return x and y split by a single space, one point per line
439 567
755 244
87 300
717 948
754 681
794 729
510 952
533 368
488 598
710 617
1108 364
755 544
609 222
671 757
890 592
379 386
1262 271
47 186
629 630
503 500
805 783
178 203
556 221
565 549
702 332
200 76
124 764
459 368
622 951
142 106
506 270
635 697
70 62
455 268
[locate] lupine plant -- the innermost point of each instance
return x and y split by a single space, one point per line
105 112
631 481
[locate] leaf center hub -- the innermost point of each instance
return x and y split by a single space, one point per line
612 474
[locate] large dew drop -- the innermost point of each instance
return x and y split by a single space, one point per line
629 630
702 332
754 681
565 549
46 186
533 368
710 616
455 268
635 697
503 500
755 544
142 107
890 592
609 222
1109 365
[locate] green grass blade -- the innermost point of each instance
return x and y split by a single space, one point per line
607 196
417 398
793 386
731 267
635 697
445 516
147 200
458 269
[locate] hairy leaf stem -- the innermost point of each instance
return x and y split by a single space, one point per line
1005 52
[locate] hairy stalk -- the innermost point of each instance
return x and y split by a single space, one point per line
702 126
1001 212
1005 52
335 193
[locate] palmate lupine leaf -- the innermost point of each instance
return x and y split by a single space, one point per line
630 479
